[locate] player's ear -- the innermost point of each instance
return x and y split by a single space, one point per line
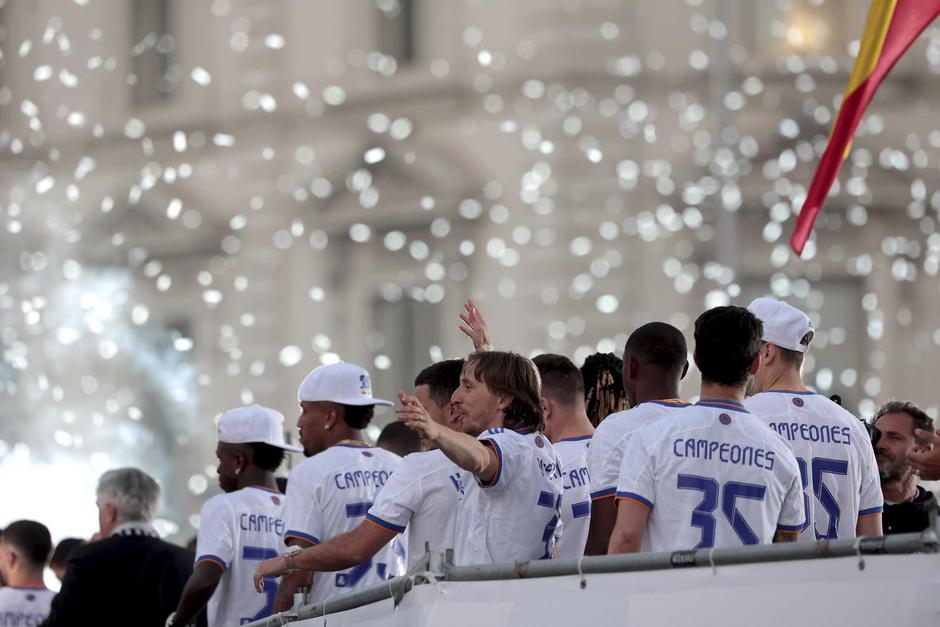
546 407
633 367
755 365
503 401
685 370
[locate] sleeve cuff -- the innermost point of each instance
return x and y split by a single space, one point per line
499 464
606 493
635 498
871 511
212 559
384 524
299 535
791 528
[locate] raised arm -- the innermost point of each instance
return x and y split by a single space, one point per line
474 327
464 450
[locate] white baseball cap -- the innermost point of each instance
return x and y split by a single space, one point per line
346 384
784 324
254 424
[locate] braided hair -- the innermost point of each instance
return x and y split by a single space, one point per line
603 386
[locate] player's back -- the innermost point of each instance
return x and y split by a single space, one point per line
330 494
515 515
713 475
606 452
576 501
236 531
837 464
24 606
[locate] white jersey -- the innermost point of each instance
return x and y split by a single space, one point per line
236 532
329 494
837 462
576 501
421 495
713 475
515 515
24 606
606 453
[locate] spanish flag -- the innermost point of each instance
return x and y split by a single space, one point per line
891 28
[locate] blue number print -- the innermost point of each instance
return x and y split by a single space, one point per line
702 514
256 554
733 491
821 466
354 575
548 535
804 480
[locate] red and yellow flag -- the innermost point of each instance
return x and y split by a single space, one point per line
891 27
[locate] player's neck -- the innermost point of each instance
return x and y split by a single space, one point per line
900 490
26 579
647 391
723 392
789 379
571 425
257 477
345 434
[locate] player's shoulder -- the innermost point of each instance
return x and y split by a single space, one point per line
220 504
424 462
765 403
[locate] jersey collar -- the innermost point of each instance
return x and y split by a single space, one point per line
722 403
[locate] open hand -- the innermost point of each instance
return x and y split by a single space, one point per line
926 459
416 417
474 327
274 567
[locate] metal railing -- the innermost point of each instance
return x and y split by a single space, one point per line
440 567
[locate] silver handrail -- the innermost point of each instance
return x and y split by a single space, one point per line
439 566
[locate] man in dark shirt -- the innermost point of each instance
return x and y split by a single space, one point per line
908 506
130 576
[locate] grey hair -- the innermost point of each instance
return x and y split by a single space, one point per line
134 493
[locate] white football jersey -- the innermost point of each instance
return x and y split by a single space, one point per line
576 501
515 516
421 495
712 475
236 532
330 494
606 452
24 606
838 470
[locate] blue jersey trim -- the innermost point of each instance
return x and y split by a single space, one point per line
603 494
669 403
577 438
806 393
352 445
214 559
720 403
794 528
499 463
633 496
871 511
300 535
384 524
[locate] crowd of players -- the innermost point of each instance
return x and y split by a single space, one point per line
514 459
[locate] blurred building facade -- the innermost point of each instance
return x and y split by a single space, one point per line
250 188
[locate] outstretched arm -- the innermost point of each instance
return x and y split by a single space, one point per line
343 551
464 450
292 582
